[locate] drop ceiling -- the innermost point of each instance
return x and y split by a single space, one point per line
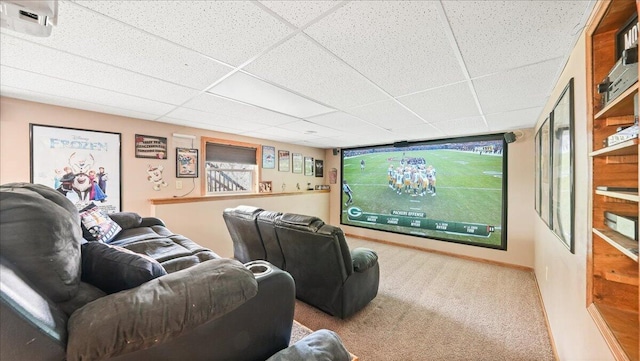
326 74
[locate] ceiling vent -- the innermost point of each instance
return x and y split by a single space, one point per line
35 18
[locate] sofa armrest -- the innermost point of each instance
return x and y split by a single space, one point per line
152 221
159 310
363 259
320 345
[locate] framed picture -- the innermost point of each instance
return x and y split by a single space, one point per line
284 161
84 165
149 146
297 162
562 197
545 172
319 168
186 163
265 187
308 166
333 176
537 173
268 157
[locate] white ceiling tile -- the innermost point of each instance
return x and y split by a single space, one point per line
214 104
278 133
299 13
517 119
343 121
416 132
42 60
251 90
524 87
387 114
197 124
54 99
514 32
230 31
115 43
463 126
214 119
303 67
449 102
400 46
32 82
312 129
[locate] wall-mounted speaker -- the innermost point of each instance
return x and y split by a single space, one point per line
336 151
510 137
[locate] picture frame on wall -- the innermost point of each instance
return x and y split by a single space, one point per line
186 163
268 157
537 172
84 165
562 182
319 168
297 163
545 172
308 166
284 161
149 146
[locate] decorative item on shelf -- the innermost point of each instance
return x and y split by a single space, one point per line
284 187
264 187
322 187
298 186
309 187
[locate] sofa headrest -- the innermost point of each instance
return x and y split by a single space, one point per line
268 216
40 236
300 221
245 212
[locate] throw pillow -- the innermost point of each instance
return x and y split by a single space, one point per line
96 224
113 269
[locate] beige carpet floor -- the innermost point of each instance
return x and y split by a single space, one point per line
436 307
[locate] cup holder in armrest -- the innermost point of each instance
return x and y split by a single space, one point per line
259 268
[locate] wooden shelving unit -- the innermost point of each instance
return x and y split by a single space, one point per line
612 279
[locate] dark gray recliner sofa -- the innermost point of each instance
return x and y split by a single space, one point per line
206 307
327 274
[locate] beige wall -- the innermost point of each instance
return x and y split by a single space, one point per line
519 226
562 275
202 221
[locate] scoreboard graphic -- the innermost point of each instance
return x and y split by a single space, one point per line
420 221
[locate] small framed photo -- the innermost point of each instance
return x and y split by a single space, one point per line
284 161
268 157
296 159
308 165
186 163
319 168
264 187
149 146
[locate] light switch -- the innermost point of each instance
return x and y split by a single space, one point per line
178 184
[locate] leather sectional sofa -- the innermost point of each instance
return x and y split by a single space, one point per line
327 274
200 307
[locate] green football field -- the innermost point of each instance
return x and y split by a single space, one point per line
468 189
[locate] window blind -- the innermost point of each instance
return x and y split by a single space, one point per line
230 153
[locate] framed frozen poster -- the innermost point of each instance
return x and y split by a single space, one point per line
84 165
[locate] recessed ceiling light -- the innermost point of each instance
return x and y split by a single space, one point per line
310 132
